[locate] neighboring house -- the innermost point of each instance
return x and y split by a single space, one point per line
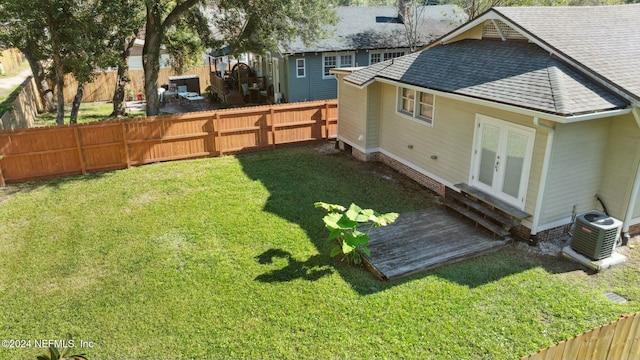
135 57
363 36
538 107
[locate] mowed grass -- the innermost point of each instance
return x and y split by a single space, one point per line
228 258
89 112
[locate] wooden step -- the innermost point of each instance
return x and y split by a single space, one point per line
493 201
481 208
478 219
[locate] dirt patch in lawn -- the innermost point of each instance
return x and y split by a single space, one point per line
9 190
379 170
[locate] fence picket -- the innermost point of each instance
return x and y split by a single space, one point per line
619 340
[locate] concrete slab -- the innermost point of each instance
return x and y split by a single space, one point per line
597 265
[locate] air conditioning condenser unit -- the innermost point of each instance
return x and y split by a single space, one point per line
595 235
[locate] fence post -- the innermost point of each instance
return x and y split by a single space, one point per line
219 133
2 183
273 127
79 148
125 144
326 120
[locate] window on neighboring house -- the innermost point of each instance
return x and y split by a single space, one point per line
331 61
378 56
392 55
346 60
300 68
417 104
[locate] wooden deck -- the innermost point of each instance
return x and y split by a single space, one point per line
424 240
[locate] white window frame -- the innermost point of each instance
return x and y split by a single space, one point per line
303 68
338 62
416 99
386 55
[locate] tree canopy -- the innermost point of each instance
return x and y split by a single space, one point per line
260 25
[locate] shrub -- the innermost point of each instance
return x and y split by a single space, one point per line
347 225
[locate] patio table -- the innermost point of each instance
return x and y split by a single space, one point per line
192 98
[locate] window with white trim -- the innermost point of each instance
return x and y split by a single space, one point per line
300 68
416 104
377 56
335 60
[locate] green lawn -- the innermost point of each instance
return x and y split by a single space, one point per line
227 258
88 112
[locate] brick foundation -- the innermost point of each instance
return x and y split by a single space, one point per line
412 174
634 230
551 234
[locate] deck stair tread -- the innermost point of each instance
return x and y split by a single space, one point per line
493 202
479 219
482 209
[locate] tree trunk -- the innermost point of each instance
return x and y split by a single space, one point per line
46 93
119 108
151 60
60 88
75 108
57 68
155 29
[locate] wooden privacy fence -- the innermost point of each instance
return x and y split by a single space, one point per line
619 340
36 153
104 83
11 59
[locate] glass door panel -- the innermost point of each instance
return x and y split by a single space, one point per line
514 163
488 154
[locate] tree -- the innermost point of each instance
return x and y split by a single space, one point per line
412 12
123 19
22 29
257 26
187 39
160 16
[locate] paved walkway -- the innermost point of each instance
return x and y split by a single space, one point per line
7 82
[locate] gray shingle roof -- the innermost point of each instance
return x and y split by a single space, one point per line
605 39
358 29
514 73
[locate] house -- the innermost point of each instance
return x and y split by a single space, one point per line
533 108
363 36
135 57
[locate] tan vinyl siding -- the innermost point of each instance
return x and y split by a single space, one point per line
620 165
450 139
575 167
373 115
352 113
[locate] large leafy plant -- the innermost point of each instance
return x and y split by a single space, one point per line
351 228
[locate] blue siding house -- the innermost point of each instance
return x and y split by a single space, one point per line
363 36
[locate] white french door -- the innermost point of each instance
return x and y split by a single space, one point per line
502 159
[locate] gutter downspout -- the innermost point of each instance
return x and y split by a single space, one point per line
634 192
543 175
